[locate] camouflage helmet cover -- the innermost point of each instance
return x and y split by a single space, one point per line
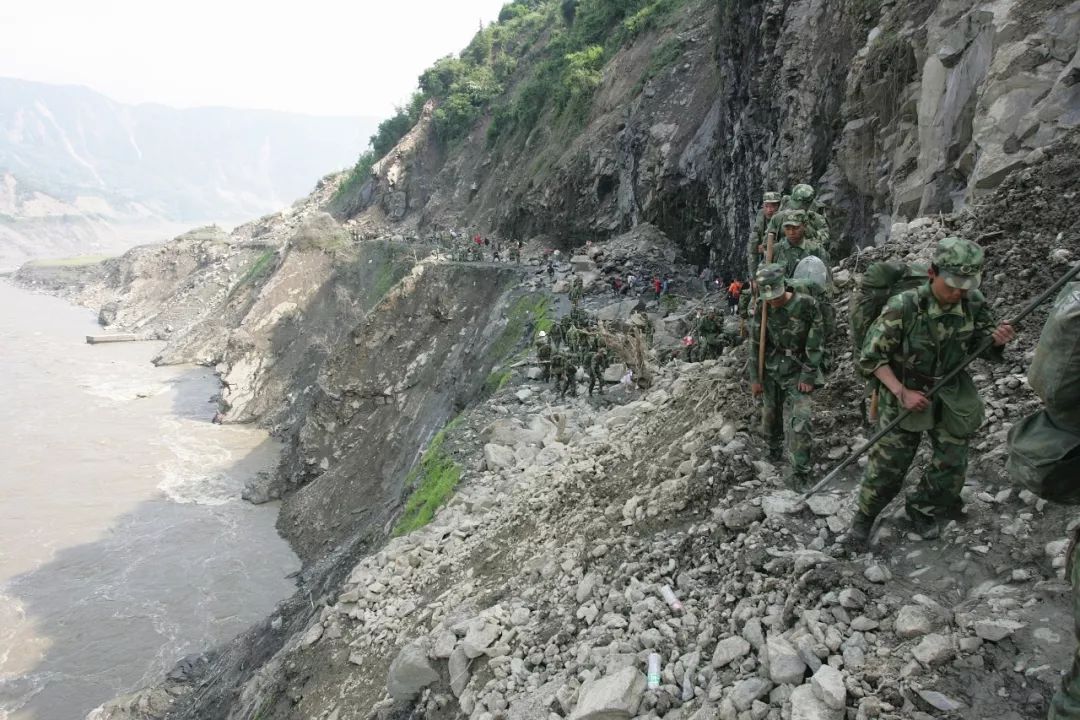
795 217
959 262
771 281
771 197
802 193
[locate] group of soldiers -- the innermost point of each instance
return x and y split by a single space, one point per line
462 248
573 342
919 336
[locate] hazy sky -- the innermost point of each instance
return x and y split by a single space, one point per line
323 57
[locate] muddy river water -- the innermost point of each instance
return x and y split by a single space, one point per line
124 544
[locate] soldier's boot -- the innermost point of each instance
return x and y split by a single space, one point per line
858 537
928 527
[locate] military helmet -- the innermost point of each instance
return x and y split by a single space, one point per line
771 281
959 262
795 217
802 193
771 197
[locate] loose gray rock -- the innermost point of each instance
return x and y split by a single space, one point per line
912 621
934 649
741 516
614 697
729 650
806 706
459 671
747 691
997 630
828 686
877 574
940 702
785 665
479 638
410 672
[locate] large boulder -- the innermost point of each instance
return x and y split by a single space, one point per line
498 457
614 697
410 672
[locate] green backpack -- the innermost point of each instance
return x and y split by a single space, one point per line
880 282
1045 458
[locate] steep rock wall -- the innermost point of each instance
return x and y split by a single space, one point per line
893 110
423 354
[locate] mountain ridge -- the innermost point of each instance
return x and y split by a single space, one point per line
67 151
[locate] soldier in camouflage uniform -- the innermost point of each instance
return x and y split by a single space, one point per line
543 355
568 376
920 336
796 245
1066 702
794 343
817 227
598 363
709 336
755 251
557 364
577 290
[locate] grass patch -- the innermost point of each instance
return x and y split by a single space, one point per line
389 273
527 308
259 269
663 57
78 261
496 381
432 481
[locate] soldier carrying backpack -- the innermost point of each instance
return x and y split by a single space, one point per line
921 336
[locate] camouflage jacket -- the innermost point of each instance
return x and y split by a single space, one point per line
922 341
543 350
598 362
789 255
757 237
794 342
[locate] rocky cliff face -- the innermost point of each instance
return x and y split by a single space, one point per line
535 590
892 110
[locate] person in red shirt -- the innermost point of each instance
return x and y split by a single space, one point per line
733 292
657 287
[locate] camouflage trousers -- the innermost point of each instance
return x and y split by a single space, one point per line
938 492
786 424
568 381
1066 703
596 378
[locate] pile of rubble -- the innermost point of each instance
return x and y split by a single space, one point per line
588 538
539 591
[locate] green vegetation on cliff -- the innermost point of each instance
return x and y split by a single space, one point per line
541 58
432 482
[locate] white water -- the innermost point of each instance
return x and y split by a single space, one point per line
124 544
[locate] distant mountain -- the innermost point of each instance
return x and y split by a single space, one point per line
74 160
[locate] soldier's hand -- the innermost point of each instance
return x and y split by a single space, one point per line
806 388
913 400
757 389
1004 334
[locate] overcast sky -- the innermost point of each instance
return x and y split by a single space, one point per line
323 57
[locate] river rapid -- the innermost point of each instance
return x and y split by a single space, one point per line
124 544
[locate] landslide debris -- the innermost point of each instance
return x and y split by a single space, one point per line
538 590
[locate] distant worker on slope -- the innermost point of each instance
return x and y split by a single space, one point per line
733 292
921 335
543 355
794 354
